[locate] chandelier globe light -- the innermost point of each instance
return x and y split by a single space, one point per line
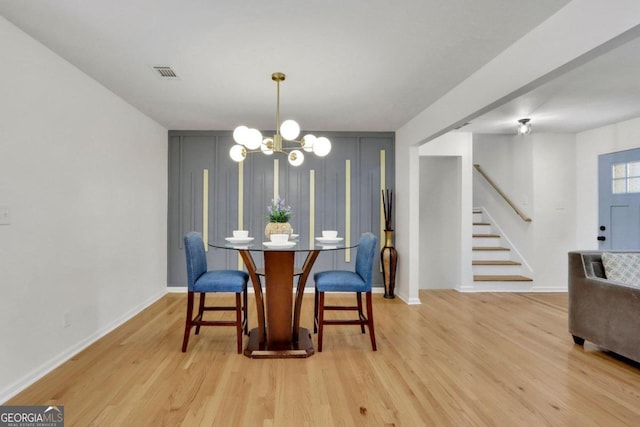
249 140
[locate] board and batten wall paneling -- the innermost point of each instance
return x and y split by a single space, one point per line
240 220
339 192
347 204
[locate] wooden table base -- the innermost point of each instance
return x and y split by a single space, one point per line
303 348
279 334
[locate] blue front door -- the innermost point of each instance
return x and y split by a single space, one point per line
619 200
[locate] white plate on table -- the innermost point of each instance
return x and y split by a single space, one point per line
238 240
295 236
329 239
279 245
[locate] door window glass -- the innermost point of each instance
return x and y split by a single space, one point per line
625 178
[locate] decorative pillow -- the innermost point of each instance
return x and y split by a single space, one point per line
622 267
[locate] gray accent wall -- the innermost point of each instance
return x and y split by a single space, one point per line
190 152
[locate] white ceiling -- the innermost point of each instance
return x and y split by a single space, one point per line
602 91
350 65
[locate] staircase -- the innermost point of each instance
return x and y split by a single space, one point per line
493 266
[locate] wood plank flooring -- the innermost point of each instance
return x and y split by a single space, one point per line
484 359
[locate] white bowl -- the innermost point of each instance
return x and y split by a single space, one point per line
329 234
241 234
279 238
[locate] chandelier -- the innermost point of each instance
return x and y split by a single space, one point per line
249 140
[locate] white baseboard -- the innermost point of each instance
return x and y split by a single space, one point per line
408 301
176 289
12 389
515 288
499 287
550 289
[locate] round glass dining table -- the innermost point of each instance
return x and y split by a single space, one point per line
279 334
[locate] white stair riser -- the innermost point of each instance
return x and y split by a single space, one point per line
497 270
486 241
482 229
491 256
497 255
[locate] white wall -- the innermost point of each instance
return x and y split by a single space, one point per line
440 212
564 193
548 49
554 189
85 177
538 173
589 145
508 161
453 212
553 178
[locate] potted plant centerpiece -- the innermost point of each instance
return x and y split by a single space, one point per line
279 216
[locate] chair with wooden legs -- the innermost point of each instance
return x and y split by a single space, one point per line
202 281
358 281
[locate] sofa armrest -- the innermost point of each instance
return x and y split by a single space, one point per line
603 312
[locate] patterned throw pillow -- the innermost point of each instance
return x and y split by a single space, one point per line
623 268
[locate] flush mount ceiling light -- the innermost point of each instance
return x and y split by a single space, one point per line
250 140
524 126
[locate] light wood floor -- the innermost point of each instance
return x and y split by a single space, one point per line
496 359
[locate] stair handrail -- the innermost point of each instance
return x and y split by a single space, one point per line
501 193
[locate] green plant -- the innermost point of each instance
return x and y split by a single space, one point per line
278 211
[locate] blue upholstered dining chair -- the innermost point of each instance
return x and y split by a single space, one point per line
357 281
202 281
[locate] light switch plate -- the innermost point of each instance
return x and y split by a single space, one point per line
5 218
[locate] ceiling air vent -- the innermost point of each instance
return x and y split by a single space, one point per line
166 73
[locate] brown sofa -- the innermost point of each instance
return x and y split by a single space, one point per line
601 311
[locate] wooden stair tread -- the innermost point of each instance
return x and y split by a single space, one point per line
501 278
490 248
480 262
491 262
